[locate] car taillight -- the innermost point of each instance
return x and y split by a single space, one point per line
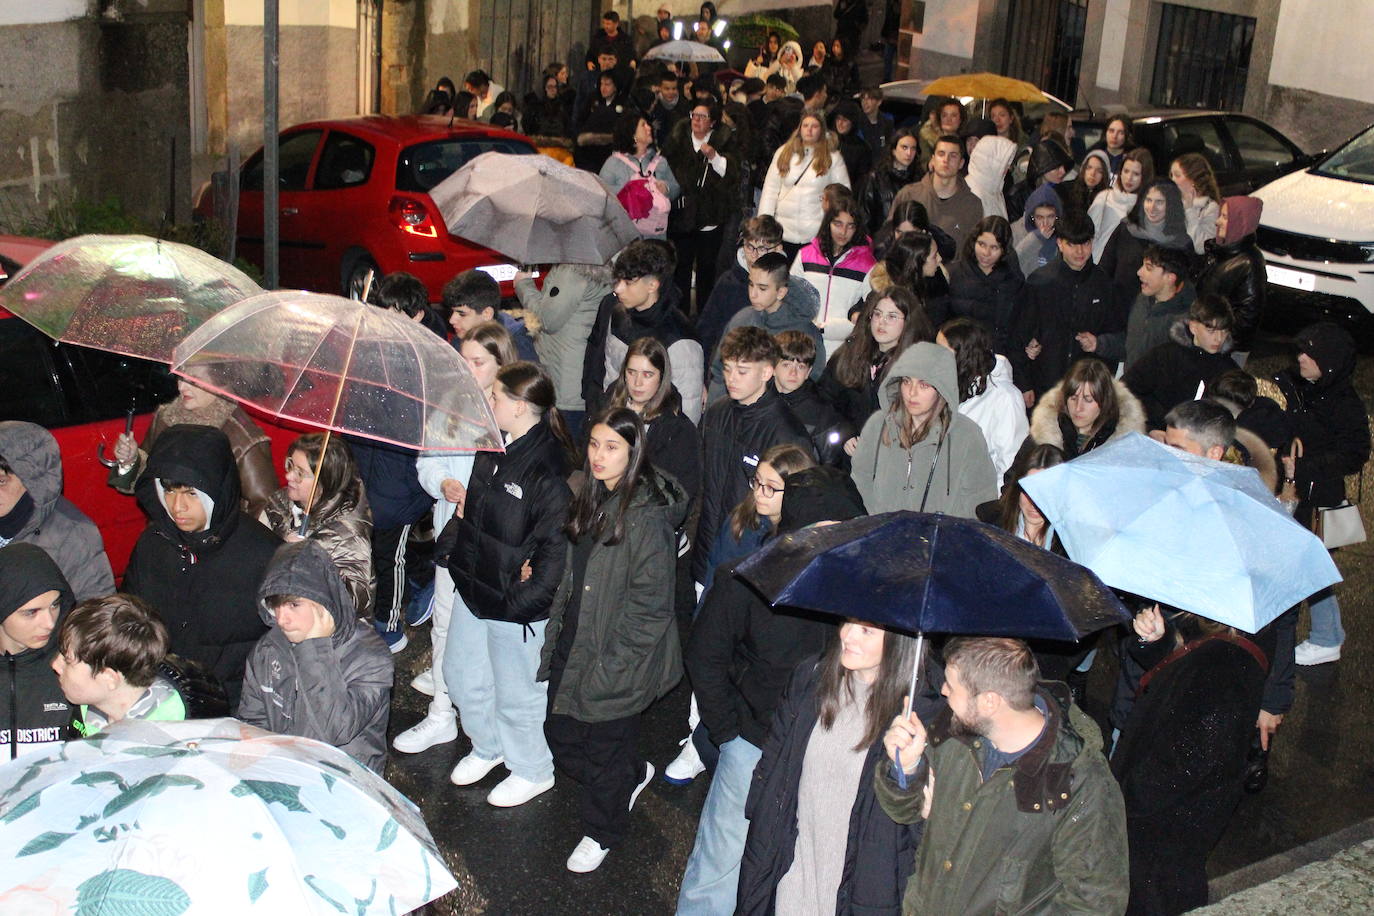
411 216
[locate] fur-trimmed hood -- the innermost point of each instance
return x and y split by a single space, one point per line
1249 450
1044 423
1179 334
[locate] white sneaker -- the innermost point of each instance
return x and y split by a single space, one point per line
430 730
424 682
686 766
472 768
514 791
643 783
587 856
1307 653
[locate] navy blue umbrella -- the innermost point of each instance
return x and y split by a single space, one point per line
927 573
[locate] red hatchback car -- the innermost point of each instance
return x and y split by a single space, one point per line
354 197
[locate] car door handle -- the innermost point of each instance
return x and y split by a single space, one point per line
289 211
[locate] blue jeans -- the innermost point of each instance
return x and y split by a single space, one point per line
711 881
489 670
1326 619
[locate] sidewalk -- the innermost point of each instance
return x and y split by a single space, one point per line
1329 876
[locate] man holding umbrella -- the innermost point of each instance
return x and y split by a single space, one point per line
1022 813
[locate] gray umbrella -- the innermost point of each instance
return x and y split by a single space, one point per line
534 210
686 52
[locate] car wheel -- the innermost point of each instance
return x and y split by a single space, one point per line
356 266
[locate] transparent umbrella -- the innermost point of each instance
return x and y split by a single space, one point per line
685 52
127 294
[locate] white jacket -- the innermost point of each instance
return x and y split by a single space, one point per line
1000 413
1107 210
795 199
1201 217
987 169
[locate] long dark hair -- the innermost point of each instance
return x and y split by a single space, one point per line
587 515
1175 222
1091 371
1009 503
835 687
854 361
906 261
666 399
998 228
528 382
973 355
842 200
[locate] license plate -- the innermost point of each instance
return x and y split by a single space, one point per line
501 273
1293 279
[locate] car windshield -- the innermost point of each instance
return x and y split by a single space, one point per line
1353 162
424 165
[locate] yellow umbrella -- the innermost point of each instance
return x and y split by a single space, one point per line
986 86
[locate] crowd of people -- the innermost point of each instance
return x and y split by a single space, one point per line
828 316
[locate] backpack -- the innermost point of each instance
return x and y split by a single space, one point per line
647 206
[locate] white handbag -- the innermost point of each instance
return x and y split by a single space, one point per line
1340 525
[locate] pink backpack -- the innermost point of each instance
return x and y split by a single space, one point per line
647 206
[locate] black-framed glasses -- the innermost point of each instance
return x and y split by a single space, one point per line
767 491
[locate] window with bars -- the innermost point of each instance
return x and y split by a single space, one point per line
1044 44
1202 59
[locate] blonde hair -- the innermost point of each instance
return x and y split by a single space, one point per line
795 147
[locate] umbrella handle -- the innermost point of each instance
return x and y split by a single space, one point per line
100 456
897 768
305 524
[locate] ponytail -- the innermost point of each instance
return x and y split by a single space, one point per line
530 383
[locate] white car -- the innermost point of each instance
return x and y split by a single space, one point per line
1317 235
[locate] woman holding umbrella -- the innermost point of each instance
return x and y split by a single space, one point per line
611 647
918 452
324 492
193 404
809 844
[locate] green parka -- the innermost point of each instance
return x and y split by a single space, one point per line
1045 835
626 653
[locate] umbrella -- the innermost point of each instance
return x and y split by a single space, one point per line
912 91
986 86
751 30
127 294
1201 535
928 573
534 210
686 52
210 816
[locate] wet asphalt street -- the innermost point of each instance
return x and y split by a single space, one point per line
512 860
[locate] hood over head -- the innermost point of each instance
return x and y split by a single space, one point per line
1105 161
988 165
849 110
819 494
201 457
923 360
1242 217
26 571
1046 156
305 569
796 49
1331 348
33 455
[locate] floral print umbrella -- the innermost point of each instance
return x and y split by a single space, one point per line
208 816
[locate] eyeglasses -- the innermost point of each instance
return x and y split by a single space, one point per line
300 470
767 491
754 248
699 117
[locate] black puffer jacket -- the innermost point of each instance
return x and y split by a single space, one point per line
1236 273
879 855
516 506
32 705
994 298
675 445
881 187
204 584
733 438
615 328
1328 416
828 428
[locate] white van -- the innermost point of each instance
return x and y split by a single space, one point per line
1317 235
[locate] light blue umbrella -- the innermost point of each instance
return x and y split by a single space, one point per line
1201 535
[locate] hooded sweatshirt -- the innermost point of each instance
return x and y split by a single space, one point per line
335 689
33 706
948 471
203 583
54 524
797 313
987 170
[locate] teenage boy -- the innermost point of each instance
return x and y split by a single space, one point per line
1039 246
320 672
1166 294
777 302
1197 351
828 429
34 597
107 663
644 303
405 293
1068 297
472 298
949 202
877 126
736 430
758 236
